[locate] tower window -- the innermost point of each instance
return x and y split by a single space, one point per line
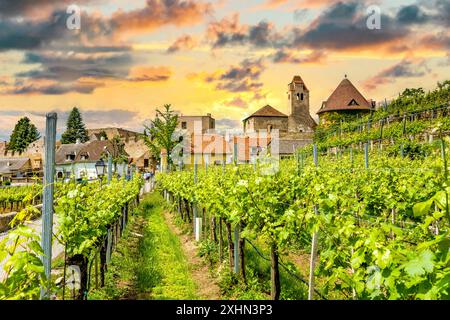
298 96
301 97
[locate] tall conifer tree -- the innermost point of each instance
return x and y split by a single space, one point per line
75 128
24 133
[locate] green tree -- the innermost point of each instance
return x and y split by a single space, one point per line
75 128
24 133
160 133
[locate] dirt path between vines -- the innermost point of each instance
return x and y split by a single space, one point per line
206 286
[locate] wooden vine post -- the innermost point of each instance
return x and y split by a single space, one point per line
444 158
47 201
236 228
314 241
197 220
366 155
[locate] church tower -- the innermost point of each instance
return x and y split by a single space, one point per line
300 119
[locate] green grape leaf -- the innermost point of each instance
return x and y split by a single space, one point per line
422 208
421 264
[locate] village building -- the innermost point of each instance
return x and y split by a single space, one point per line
189 123
78 160
134 145
345 101
22 167
294 130
15 170
299 120
218 149
267 118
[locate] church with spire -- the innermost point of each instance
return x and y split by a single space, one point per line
299 121
297 129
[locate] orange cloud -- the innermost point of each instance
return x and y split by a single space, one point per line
158 13
288 56
274 3
182 43
407 68
154 74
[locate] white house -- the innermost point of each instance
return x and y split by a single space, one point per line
79 159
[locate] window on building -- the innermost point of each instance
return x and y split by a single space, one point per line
353 103
184 125
146 163
298 96
301 97
269 128
70 157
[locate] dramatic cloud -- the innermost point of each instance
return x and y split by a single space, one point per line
71 66
52 88
411 14
344 27
153 74
33 8
404 69
437 41
340 27
242 78
286 56
157 13
439 11
238 78
229 31
318 3
185 42
226 31
24 35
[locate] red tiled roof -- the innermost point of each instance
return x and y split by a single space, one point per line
218 144
342 98
267 111
210 143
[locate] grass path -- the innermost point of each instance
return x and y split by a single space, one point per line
155 261
206 286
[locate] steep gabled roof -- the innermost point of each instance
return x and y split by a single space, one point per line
8 165
93 149
267 111
295 81
345 97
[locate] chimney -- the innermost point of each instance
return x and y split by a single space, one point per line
78 141
208 115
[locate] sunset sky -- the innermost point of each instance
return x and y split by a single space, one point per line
225 57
